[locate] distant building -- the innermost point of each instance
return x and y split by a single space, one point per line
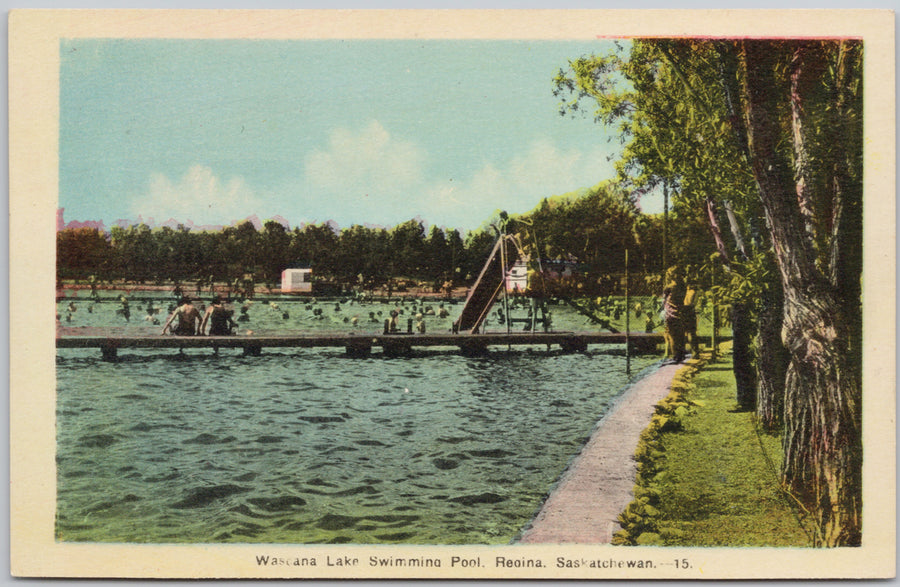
517 278
296 280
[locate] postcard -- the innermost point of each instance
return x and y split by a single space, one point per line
468 294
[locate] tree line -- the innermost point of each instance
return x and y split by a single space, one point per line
359 256
590 229
759 144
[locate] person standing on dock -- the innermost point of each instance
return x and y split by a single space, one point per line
218 317
394 323
188 319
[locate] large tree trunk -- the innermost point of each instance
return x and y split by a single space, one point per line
771 358
822 442
742 355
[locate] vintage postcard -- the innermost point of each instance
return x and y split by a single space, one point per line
553 294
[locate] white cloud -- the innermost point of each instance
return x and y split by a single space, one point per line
363 176
369 175
371 157
542 170
199 196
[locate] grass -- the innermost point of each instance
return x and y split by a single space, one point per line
707 476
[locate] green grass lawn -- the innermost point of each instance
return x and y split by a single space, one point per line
719 485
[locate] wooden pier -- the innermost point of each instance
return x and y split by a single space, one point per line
361 345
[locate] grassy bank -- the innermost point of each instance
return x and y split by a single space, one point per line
706 475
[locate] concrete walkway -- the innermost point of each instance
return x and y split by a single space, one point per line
598 484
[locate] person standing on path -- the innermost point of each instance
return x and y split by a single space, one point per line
188 319
673 298
689 318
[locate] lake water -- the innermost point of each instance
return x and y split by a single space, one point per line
311 446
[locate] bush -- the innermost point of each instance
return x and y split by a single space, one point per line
640 520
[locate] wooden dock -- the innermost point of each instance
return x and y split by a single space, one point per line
361 345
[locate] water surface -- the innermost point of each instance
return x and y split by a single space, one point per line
310 446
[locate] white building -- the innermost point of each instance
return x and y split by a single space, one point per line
517 278
296 281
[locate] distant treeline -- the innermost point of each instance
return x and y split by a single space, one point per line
591 230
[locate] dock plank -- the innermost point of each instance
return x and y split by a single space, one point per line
343 340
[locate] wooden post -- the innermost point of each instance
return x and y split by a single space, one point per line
715 316
627 320
109 353
665 244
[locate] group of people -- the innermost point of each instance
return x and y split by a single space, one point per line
680 315
188 321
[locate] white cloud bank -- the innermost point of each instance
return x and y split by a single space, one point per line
371 157
370 176
199 196
518 185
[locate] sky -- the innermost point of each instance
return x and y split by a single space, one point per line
372 132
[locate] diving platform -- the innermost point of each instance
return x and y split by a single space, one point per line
361 345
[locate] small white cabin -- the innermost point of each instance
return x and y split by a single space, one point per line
517 278
296 281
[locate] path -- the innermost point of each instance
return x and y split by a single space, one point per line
598 484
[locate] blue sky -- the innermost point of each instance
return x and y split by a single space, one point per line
358 132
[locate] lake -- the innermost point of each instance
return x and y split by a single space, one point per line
311 446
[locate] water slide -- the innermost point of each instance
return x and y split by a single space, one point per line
488 286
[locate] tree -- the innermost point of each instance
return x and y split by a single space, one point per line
812 201
315 244
408 249
438 259
746 130
674 126
137 251
81 252
274 242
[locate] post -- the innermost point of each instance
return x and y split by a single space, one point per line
503 271
627 320
665 244
715 316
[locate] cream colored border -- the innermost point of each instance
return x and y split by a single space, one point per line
33 107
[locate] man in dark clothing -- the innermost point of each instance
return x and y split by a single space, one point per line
218 317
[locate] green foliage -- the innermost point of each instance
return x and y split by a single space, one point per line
705 482
358 256
640 520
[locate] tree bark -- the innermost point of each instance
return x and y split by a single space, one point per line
822 441
771 358
742 356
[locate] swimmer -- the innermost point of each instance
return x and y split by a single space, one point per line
218 317
188 319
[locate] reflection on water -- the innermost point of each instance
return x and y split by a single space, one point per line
310 446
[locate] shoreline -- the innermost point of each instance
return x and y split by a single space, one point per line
68 290
597 486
